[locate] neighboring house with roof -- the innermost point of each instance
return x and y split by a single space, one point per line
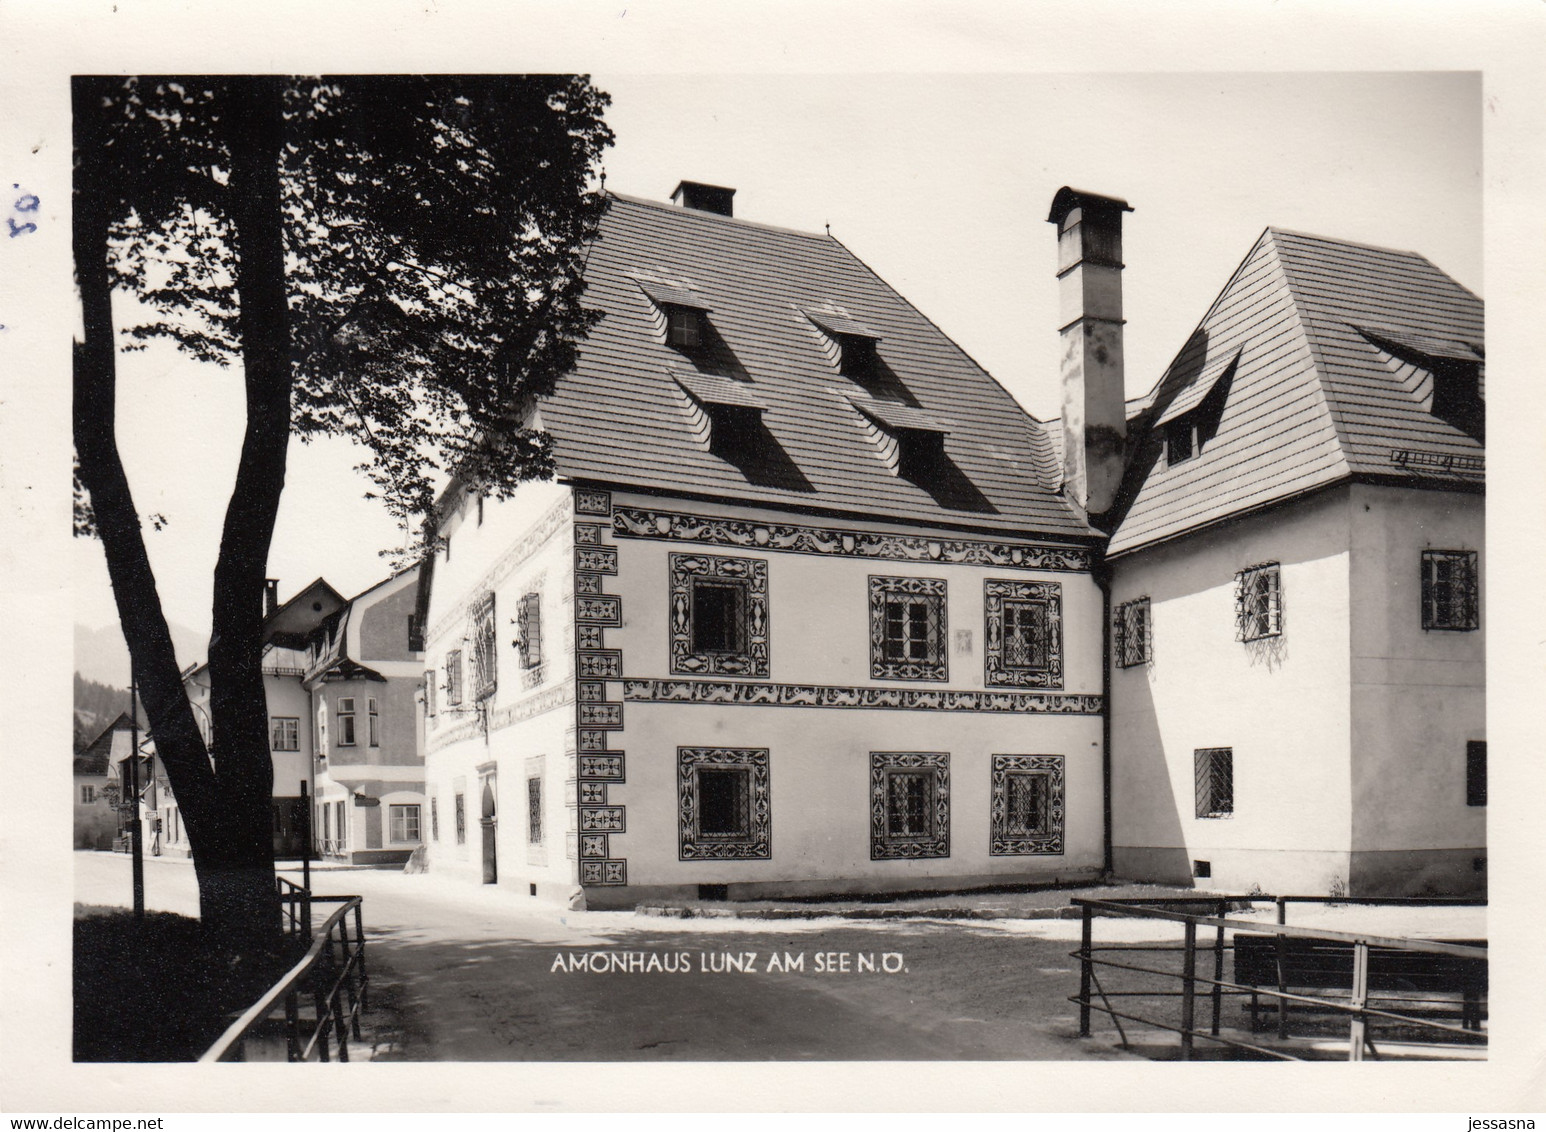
96 815
341 678
362 671
1298 685
103 779
804 610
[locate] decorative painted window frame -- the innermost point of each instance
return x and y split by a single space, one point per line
1464 615
692 845
1002 841
937 667
752 573
885 847
997 673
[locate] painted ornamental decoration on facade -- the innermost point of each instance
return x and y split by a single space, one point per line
1024 634
1026 806
723 804
719 615
909 805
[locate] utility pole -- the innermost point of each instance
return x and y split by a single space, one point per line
136 850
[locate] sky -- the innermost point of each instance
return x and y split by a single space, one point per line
941 183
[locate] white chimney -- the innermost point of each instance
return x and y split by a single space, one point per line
1090 332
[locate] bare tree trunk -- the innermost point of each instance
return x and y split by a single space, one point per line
178 741
238 886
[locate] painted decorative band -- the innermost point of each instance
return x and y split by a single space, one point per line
635 522
829 696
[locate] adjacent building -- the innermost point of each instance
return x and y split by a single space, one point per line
1298 658
341 680
805 610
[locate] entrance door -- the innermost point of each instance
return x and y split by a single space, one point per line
489 822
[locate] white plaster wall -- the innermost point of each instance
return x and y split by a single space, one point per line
286 697
819 757
525 718
1418 695
1286 717
819 787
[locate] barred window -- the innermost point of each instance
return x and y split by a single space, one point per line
484 658
461 819
284 733
1476 772
1215 782
909 804
1027 809
1258 602
1134 643
1025 634
724 803
534 810
528 621
434 819
454 677
1449 589
907 629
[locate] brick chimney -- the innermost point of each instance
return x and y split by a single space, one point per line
270 596
1090 333
704 198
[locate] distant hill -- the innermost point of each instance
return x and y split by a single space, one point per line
101 655
97 705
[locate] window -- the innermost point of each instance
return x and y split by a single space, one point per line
858 357
373 718
909 805
528 620
907 629
484 658
1026 805
346 721
1476 772
405 823
1023 634
434 819
1180 440
684 327
88 794
343 826
284 733
1449 590
1215 767
719 615
1258 602
429 692
1133 644
454 677
461 819
534 811
723 804
415 634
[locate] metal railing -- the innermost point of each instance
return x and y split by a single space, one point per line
1358 948
330 981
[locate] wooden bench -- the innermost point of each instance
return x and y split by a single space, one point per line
1309 965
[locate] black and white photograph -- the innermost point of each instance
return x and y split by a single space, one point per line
603 569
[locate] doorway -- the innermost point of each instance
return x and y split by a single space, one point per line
489 820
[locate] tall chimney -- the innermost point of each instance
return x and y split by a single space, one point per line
704 198
270 596
1090 330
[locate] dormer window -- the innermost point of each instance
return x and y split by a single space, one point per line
684 328
852 343
727 414
1454 368
1180 440
858 357
910 441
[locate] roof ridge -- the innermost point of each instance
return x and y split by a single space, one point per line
715 217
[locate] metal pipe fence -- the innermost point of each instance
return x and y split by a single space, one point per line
322 995
1315 960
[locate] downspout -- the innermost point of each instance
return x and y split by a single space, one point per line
1102 575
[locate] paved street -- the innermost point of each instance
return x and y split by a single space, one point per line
464 973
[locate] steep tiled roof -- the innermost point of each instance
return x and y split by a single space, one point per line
1299 343
619 417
